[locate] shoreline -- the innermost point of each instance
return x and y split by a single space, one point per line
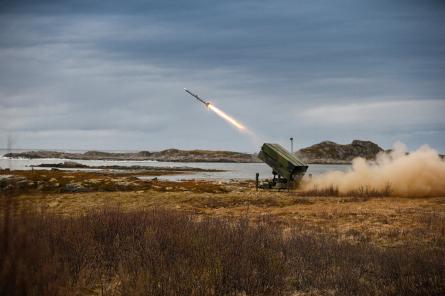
17 157
169 155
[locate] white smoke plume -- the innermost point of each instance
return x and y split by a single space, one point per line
419 173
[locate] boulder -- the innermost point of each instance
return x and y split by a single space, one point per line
75 187
10 182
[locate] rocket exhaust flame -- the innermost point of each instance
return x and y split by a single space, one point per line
219 112
227 118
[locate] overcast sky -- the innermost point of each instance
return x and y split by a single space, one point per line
110 74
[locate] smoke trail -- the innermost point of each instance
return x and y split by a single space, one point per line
254 138
227 118
420 173
242 128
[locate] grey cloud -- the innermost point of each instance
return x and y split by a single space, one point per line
119 69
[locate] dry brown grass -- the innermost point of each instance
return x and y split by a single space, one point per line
56 181
165 252
386 221
361 192
362 244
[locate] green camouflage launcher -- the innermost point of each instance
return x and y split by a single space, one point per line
287 168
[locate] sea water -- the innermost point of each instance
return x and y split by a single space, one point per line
230 171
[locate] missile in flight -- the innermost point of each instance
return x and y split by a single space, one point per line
197 97
219 112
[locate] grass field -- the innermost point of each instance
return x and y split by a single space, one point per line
201 238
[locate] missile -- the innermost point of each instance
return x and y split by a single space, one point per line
197 97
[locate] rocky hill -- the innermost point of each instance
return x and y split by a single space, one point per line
174 155
328 152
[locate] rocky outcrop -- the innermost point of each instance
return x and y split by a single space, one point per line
328 152
174 155
12 183
76 165
202 156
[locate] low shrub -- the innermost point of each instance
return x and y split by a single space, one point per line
165 252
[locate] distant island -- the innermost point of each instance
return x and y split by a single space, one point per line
173 155
326 152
